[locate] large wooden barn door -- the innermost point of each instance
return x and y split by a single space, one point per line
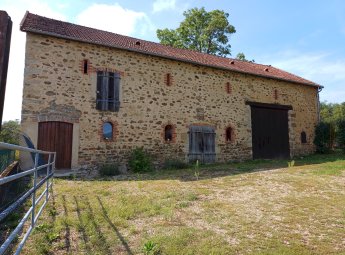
270 133
57 136
202 144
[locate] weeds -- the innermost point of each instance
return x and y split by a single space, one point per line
140 161
173 164
151 248
196 170
291 163
109 170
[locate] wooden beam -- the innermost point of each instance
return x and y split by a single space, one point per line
271 106
9 169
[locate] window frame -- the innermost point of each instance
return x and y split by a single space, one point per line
108 91
112 131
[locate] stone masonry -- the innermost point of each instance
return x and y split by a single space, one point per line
56 89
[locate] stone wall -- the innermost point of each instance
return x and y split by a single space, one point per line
55 82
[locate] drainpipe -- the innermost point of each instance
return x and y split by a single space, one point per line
319 89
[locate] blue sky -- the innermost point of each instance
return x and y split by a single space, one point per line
306 37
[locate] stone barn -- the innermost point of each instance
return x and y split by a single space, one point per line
93 96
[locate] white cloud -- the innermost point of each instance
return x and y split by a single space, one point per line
114 18
162 5
14 87
322 68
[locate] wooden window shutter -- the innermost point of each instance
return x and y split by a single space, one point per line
105 91
99 91
209 144
117 80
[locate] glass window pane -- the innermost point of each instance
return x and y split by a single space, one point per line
107 131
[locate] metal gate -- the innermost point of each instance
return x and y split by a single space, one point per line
39 197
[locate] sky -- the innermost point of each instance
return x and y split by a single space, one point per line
306 38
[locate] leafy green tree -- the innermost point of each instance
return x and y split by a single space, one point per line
242 57
332 113
322 138
10 131
341 134
206 32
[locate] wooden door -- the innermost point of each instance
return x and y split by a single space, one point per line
57 136
270 133
202 144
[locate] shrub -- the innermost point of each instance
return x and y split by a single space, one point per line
322 138
175 164
341 134
109 170
140 161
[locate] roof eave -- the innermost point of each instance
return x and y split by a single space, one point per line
159 55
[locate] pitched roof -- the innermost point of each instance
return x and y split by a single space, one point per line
41 25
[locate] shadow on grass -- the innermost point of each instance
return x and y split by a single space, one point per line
225 169
81 227
111 224
66 226
101 240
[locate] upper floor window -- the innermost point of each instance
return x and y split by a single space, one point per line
228 88
85 66
108 91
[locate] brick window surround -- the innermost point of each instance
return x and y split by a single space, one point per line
168 80
115 131
169 133
228 88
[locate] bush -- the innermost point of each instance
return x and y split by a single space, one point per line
140 161
341 134
10 131
175 164
322 138
109 170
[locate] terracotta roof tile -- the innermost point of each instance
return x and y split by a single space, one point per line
46 26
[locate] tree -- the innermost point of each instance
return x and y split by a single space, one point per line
242 57
10 131
206 32
322 138
341 134
332 113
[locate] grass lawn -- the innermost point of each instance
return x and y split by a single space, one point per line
255 207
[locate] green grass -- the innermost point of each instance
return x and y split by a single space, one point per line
254 207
